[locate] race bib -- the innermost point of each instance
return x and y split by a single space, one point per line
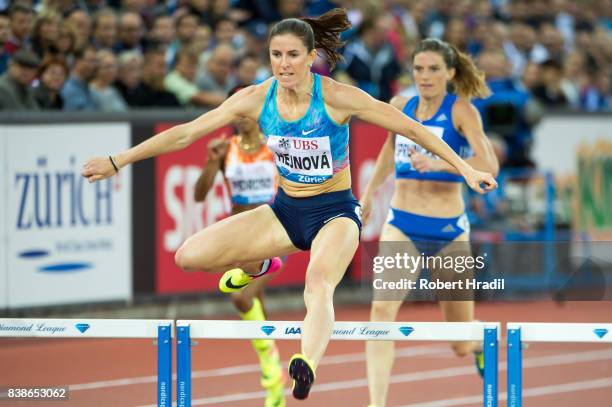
252 183
301 159
403 145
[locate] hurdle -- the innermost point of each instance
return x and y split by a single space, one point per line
485 332
519 333
159 330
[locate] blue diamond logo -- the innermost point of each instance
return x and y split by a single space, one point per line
406 330
82 327
268 329
600 332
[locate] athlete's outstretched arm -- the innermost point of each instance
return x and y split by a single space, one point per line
468 122
358 103
176 138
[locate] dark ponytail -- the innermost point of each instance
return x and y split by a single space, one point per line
469 81
322 33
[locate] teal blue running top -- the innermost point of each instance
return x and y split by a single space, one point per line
309 150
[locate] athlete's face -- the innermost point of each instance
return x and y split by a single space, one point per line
431 74
290 60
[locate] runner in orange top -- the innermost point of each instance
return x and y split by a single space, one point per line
250 173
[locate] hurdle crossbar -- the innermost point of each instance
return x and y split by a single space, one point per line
160 330
486 332
524 332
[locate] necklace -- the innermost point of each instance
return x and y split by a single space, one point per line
252 146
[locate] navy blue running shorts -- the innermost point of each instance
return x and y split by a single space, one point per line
302 218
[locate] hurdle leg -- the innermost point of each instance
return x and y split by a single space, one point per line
183 367
164 366
490 371
515 362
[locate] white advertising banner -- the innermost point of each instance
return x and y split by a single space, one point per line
557 139
3 216
69 241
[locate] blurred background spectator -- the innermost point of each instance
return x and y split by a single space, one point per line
106 96
151 90
5 34
22 19
76 91
182 82
51 76
15 90
130 72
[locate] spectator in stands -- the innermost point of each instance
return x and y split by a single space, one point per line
202 38
201 8
370 61
151 92
15 90
246 72
106 96
252 13
80 22
552 41
510 111
131 33
549 91
217 75
186 26
5 34
594 96
455 33
181 82
523 48
52 75
105 27
130 73
22 19
531 77
162 31
290 8
219 9
76 91
225 33
66 43
45 34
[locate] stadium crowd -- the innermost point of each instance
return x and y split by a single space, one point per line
113 55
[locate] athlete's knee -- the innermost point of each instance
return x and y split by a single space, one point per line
316 285
185 258
384 311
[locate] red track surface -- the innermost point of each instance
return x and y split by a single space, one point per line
425 374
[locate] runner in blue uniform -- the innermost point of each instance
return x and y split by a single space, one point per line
427 207
305 119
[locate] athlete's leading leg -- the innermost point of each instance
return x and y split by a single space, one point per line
331 252
380 355
251 236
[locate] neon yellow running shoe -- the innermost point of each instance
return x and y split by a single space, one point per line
479 361
275 396
272 378
271 370
234 280
303 375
